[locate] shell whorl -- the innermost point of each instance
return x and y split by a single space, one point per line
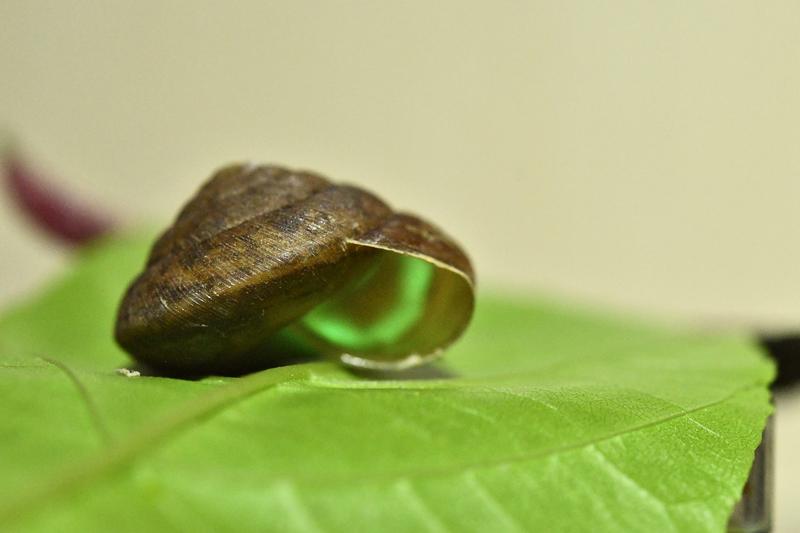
256 250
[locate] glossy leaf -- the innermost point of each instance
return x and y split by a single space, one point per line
542 418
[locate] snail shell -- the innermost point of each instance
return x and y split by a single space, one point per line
265 262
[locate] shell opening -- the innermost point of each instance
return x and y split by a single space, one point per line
403 311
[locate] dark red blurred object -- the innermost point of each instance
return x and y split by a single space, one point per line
58 214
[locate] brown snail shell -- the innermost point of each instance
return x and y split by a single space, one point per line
265 261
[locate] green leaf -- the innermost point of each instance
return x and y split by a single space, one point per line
542 418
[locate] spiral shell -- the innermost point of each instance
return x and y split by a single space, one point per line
264 263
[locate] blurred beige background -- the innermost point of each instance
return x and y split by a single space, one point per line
643 156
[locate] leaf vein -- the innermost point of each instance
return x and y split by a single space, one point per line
615 471
406 488
297 509
86 398
492 502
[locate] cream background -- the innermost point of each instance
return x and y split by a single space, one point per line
639 155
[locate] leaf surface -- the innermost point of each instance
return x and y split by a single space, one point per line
541 418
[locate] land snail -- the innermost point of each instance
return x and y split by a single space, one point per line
265 263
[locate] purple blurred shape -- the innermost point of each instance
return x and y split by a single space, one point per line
54 211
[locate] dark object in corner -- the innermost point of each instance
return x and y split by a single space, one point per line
785 350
